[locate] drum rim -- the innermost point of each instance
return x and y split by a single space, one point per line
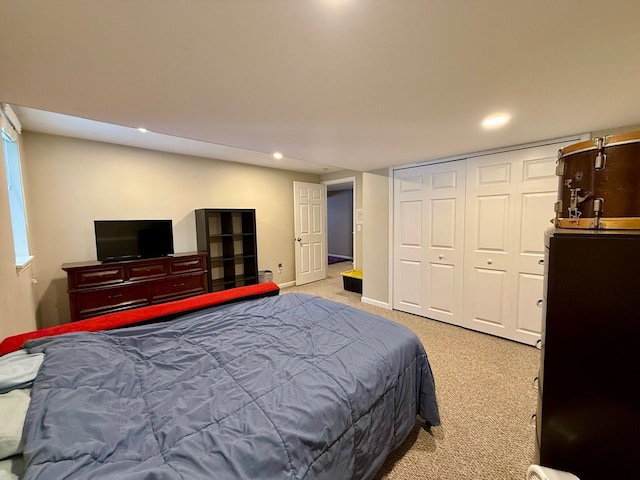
604 223
608 141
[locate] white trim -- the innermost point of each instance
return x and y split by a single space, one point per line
287 284
391 247
22 263
351 180
375 303
11 117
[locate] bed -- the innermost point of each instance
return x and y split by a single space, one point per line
282 386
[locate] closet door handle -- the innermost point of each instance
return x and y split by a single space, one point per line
539 303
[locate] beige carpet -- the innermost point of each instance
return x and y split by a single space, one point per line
485 393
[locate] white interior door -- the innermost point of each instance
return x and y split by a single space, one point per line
510 199
310 218
428 240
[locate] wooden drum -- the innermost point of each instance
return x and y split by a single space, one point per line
599 184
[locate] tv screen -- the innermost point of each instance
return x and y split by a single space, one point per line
130 239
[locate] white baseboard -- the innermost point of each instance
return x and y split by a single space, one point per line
376 303
287 284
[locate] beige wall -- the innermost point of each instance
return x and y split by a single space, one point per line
375 237
17 302
73 182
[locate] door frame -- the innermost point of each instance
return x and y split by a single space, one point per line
352 181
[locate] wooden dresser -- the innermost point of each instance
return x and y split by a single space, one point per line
96 288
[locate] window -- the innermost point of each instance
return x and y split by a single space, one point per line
16 197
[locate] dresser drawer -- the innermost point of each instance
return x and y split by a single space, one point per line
146 271
98 302
178 287
95 277
96 288
188 264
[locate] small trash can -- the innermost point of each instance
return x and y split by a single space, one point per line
352 280
265 276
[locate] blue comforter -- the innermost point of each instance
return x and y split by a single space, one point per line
292 386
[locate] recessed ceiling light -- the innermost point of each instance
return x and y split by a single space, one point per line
143 130
496 121
277 155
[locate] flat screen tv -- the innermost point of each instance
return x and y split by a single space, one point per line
118 240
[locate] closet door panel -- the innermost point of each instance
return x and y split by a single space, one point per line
537 189
408 274
528 318
487 310
441 294
428 240
489 244
444 241
508 211
409 295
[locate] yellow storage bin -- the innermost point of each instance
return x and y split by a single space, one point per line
352 280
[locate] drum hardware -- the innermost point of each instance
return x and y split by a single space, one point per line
575 200
598 207
557 207
601 160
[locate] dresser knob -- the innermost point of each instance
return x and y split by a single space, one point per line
489 261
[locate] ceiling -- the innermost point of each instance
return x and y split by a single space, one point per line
332 84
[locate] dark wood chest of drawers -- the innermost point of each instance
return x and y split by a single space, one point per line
96 288
588 419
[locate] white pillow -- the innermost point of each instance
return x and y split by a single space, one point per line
13 410
18 369
12 468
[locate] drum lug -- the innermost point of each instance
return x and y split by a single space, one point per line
560 166
557 207
601 160
598 206
599 141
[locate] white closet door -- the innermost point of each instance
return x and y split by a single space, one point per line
510 199
429 240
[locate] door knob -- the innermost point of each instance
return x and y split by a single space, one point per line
298 239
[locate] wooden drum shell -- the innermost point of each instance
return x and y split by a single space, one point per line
616 185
